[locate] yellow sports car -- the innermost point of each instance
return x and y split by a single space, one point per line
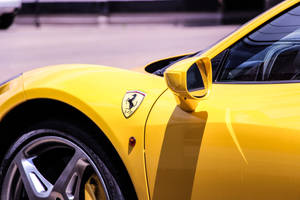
223 123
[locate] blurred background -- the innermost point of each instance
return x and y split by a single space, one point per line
191 12
119 33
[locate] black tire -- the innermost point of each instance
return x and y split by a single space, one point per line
6 20
63 131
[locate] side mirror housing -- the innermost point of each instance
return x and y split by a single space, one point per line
190 80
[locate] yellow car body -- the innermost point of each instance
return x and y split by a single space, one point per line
241 142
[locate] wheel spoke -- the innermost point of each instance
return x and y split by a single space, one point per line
31 171
68 183
36 185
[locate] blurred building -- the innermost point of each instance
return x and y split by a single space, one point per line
233 11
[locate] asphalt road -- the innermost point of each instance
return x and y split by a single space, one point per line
24 47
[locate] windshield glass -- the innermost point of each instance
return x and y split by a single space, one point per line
284 28
271 53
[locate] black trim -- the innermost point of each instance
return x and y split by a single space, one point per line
221 64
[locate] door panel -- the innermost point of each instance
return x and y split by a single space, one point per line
243 142
172 150
177 142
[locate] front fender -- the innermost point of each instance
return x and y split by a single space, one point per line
97 92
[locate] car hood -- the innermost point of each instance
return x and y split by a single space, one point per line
124 78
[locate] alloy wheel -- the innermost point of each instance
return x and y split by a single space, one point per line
53 168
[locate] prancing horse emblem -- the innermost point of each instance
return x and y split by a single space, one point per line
131 101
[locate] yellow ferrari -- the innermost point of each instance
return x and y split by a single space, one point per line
223 123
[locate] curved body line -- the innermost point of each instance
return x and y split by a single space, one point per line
233 135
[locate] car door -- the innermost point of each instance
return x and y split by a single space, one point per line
243 141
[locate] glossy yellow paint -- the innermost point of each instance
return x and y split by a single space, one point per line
172 142
95 91
11 94
245 147
242 141
251 144
176 78
98 93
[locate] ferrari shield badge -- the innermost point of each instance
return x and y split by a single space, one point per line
131 101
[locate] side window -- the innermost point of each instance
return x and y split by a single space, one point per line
271 53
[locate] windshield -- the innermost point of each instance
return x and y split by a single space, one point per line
271 53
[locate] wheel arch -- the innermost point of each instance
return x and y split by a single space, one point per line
42 109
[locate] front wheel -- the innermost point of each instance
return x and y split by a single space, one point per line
48 164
